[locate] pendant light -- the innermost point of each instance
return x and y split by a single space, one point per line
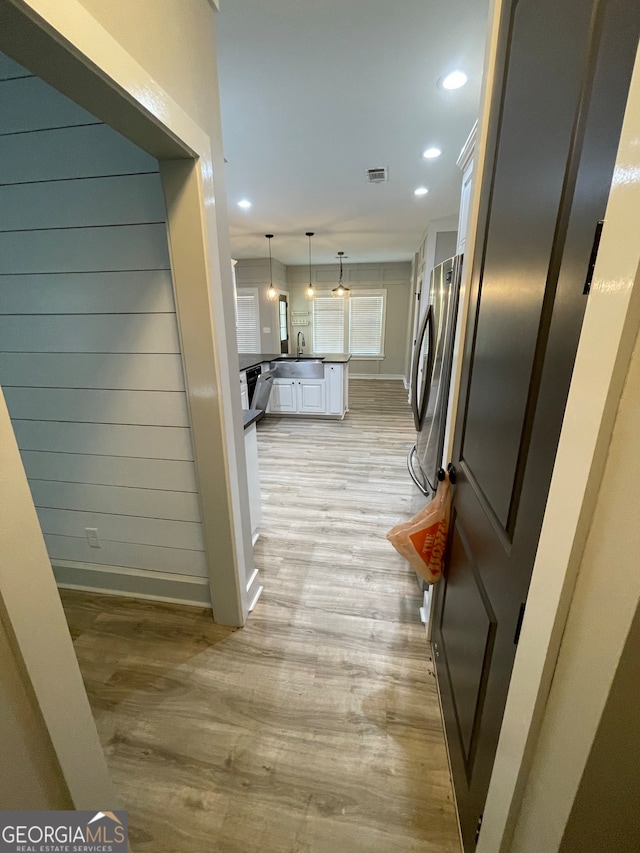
340 291
310 292
272 293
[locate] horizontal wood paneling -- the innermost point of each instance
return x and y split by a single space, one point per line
130 292
9 68
155 371
167 474
128 200
97 150
137 247
89 333
150 557
116 500
122 528
29 104
144 408
145 442
89 346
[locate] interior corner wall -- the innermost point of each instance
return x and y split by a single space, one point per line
395 278
90 357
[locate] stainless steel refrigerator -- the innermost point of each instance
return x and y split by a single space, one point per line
431 374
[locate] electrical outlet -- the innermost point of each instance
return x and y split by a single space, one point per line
92 537
266 330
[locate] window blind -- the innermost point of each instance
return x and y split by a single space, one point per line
248 328
328 324
366 325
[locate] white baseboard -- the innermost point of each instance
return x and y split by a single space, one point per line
133 583
376 376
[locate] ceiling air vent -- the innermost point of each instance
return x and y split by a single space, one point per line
377 176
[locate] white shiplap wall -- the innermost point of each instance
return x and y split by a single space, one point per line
90 359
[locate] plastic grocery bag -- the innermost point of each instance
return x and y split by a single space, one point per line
422 540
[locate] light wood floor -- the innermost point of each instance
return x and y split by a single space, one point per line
316 728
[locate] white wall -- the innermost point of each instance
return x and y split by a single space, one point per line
395 278
90 357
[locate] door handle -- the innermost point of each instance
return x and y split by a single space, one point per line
418 406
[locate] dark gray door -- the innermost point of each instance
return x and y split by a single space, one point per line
556 121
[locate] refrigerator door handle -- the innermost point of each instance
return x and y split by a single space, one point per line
419 406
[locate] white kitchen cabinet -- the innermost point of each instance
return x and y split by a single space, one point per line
311 397
253 480
284 397
328 397
335 375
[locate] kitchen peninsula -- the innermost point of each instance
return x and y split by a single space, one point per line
325 393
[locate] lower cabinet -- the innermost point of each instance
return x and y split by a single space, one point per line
326 396
283 396
298 397
311 396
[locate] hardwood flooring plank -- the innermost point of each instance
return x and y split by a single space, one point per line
316 728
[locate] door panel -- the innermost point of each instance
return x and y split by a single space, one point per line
283 396
468 626
528 185
311 396
541 199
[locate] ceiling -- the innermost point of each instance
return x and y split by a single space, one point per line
314 92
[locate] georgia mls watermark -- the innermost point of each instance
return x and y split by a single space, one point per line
63 832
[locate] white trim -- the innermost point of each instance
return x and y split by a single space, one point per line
468 149
253 577
255 598
133 583
395 376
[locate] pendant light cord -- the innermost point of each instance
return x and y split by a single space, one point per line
269 237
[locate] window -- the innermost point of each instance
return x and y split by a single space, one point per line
366 325
248 328
354 324
328 324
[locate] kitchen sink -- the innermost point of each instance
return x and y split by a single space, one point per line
294 367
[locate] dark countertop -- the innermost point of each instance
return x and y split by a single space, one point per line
251 359
337 358
250 416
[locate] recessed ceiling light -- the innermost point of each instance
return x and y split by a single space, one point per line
454 80
421 191
245 204
432 153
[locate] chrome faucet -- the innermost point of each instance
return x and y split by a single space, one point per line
304 343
